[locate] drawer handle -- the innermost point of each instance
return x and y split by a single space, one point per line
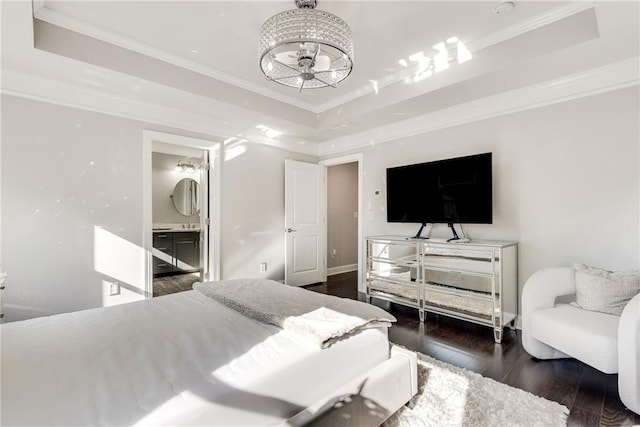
161 235
162 265
162 249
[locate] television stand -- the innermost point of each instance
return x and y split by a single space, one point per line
475 281
453 230
418 234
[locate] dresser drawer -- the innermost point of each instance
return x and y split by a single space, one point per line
459 280
473 260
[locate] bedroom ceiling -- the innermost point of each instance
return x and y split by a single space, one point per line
201 58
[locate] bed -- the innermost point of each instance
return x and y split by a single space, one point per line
187 359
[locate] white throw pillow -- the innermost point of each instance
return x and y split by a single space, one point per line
603 290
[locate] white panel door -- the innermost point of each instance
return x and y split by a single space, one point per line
305 213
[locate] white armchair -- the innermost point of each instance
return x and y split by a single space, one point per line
552 329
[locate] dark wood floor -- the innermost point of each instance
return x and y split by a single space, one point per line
591 396
171 284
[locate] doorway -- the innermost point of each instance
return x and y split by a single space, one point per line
181 187
344 219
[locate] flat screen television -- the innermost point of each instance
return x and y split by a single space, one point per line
457 190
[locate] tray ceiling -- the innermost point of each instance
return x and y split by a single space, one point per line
208 49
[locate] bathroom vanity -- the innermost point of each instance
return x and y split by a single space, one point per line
175 251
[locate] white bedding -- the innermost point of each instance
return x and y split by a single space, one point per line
179 359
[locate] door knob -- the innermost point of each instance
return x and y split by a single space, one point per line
290 230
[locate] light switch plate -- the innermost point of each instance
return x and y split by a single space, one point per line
114 288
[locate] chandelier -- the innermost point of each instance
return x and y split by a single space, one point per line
306 48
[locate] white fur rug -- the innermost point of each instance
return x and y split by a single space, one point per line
451 396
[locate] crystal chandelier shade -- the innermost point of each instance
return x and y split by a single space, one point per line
305 48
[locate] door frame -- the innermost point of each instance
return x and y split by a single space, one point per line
352 158
214 150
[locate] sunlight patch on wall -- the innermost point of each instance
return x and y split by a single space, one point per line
453 49
270 133
121 261
374 85
234 147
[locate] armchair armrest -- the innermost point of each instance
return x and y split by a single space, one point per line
544 286
629 355
540 291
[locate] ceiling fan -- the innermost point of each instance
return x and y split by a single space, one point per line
306 48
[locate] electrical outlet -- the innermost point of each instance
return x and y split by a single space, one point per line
333 253
114 288
263 267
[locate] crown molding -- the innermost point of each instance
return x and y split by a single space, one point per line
474 46
42 13
48 90
534 23
598 80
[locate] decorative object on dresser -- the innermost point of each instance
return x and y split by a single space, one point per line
474 281
554 326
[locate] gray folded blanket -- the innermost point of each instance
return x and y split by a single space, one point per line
324 319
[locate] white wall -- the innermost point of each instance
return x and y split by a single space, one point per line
342 224
566 186
566 180
252 210
72 208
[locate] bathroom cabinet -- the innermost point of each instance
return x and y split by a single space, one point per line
175 252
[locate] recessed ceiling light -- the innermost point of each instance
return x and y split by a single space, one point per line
504 8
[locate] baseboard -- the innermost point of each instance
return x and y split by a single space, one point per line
342 269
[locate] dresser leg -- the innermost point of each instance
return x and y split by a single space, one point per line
497 335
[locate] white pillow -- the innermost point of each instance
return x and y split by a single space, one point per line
603 290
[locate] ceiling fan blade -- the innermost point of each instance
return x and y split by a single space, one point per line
289 58
285 65
322 63
275 79
331 71
323 81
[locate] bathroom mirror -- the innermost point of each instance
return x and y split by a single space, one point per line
185 197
